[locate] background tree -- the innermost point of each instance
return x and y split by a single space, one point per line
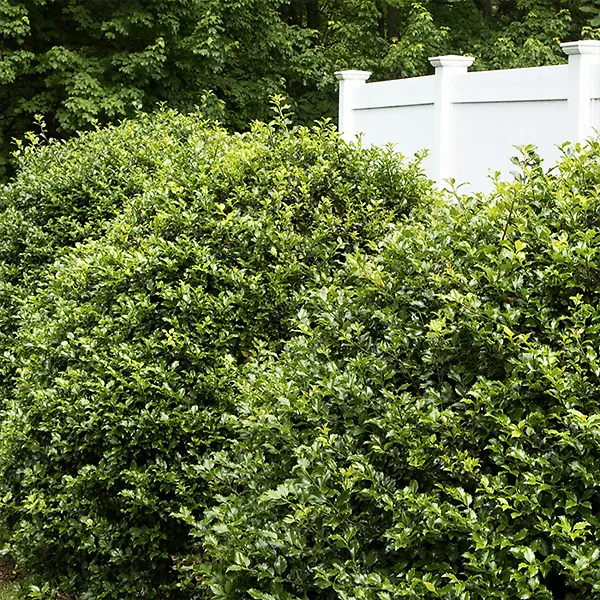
83 61
77 62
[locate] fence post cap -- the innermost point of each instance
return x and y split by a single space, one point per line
581 47
352 75
451 60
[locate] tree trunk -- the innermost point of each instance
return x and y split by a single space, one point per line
313 20
393 22
485 6
291 13
382 18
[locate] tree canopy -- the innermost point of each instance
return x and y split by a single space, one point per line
86 61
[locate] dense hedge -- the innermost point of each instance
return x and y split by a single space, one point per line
65 194
278 367
434 431
172 255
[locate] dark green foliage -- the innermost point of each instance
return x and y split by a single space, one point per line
433 432
83 62
129 344
87 61
593 11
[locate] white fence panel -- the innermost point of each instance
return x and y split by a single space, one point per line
412 128
471 122
490 146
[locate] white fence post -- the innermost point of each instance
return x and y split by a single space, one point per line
584 56
442 152
350 82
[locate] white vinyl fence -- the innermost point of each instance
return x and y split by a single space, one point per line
470 122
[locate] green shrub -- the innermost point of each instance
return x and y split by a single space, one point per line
129 346
65 194
434 430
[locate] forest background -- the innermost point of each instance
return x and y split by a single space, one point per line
79 63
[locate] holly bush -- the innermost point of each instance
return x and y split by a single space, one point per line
158 260
433 429
275 365
65 194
